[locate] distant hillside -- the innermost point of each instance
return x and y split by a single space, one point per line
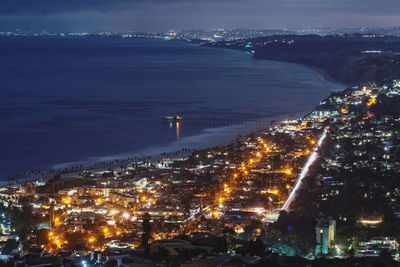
351 59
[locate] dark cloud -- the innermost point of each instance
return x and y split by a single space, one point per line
162 14
46 7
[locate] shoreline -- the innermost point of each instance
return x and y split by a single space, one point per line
325 75
116 160
322 72
90 164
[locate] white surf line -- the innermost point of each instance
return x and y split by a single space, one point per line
304 171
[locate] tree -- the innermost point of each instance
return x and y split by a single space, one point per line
23 221
229 236
146 227
256 248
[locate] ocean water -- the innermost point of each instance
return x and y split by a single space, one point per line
65 100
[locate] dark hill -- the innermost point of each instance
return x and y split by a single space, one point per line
346 58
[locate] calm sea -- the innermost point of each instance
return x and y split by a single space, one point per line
66 100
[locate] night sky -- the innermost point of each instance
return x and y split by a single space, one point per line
98 15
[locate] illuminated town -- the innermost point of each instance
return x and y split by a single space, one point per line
286 190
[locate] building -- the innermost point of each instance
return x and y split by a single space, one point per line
176 246
325 235
375 246
122 199
10 249
157 214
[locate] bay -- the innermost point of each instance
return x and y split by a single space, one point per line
65 100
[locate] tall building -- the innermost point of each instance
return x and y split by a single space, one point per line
325 235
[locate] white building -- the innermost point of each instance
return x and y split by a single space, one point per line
325 235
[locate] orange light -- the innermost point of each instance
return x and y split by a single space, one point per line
273 191
66 200
372 101
371 222
106 231
50 235
216 214
58 243
288 172
57 221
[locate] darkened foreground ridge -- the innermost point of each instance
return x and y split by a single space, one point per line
348 58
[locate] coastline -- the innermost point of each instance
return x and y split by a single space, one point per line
322 72
325 75
90 166
115 160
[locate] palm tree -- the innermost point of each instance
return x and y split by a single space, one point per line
11 178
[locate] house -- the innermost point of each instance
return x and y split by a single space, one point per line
175 246
10 249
